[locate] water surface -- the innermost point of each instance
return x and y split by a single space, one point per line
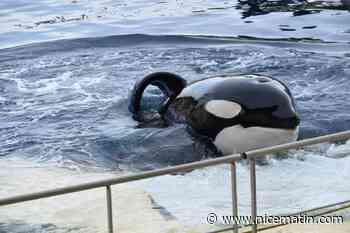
66 69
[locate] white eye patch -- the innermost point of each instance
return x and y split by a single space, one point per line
223 108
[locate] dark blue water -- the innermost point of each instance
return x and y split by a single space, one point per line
66 101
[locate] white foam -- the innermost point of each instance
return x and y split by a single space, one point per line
45 86
338 151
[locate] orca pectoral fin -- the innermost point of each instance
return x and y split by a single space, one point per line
170 84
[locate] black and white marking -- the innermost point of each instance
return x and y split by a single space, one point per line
237 113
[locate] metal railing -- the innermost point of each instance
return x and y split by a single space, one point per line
231 159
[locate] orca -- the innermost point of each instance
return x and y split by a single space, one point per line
236 113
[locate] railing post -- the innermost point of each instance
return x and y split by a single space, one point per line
253 193
109 209
234 195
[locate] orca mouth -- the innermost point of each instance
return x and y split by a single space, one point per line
290 124
265 118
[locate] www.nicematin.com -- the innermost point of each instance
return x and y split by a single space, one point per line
213 218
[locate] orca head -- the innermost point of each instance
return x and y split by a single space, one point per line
240 113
